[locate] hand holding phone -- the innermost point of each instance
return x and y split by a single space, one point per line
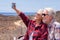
14 5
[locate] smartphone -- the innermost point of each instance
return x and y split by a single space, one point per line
13 5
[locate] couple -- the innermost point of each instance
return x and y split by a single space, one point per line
42 27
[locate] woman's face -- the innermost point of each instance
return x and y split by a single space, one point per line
38 17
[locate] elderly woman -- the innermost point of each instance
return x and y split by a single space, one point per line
49 19
36 29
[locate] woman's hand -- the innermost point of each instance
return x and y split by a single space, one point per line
14 6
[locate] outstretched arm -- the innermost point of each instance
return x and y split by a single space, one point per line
22 15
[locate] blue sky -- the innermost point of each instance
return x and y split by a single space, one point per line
28 5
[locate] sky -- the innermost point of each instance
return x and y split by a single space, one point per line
28 5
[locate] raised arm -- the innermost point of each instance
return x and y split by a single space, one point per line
22 15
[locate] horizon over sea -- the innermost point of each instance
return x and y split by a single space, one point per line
15 14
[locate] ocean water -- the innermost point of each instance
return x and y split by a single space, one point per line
15 14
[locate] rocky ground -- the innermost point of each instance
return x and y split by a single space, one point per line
11 27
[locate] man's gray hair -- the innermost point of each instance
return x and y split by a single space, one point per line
51 11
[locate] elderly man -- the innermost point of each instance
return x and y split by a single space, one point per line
49 18
36 29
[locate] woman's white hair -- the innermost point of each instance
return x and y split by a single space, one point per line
51 11
40 11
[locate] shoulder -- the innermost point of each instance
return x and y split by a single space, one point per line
57 24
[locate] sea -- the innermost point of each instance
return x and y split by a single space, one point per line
15 14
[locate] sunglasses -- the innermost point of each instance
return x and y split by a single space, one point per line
44 14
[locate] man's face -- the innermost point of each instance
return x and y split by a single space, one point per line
46 17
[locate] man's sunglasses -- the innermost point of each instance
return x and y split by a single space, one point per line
44 14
